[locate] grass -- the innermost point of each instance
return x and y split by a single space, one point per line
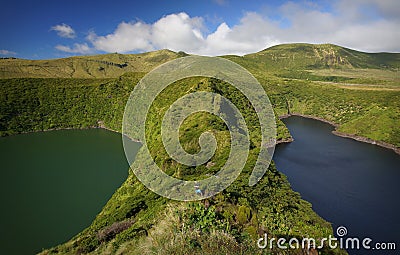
380 74
369 113
97 66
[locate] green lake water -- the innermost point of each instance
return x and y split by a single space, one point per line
54 183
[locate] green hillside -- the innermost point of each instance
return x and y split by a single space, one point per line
320 56
360 92
98 66
277 58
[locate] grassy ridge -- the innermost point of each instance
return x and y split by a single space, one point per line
321 56
135 220
97 66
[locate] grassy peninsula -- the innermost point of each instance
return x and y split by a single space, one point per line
360 92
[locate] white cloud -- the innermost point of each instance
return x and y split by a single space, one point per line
253 33
64 30
388 9
363 25
7 52
177 32
77 48
127 37
351 25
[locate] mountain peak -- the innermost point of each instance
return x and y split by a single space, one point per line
311 56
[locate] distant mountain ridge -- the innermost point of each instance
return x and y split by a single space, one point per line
302 55
297 56
98 66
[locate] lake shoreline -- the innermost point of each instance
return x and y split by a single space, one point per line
345 135
283 141
100 126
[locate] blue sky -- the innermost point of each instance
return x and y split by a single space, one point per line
54 29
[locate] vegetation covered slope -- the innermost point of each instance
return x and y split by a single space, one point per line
358 91
98 66
302 56
34 104
135 219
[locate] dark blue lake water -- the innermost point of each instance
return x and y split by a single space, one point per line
349 183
